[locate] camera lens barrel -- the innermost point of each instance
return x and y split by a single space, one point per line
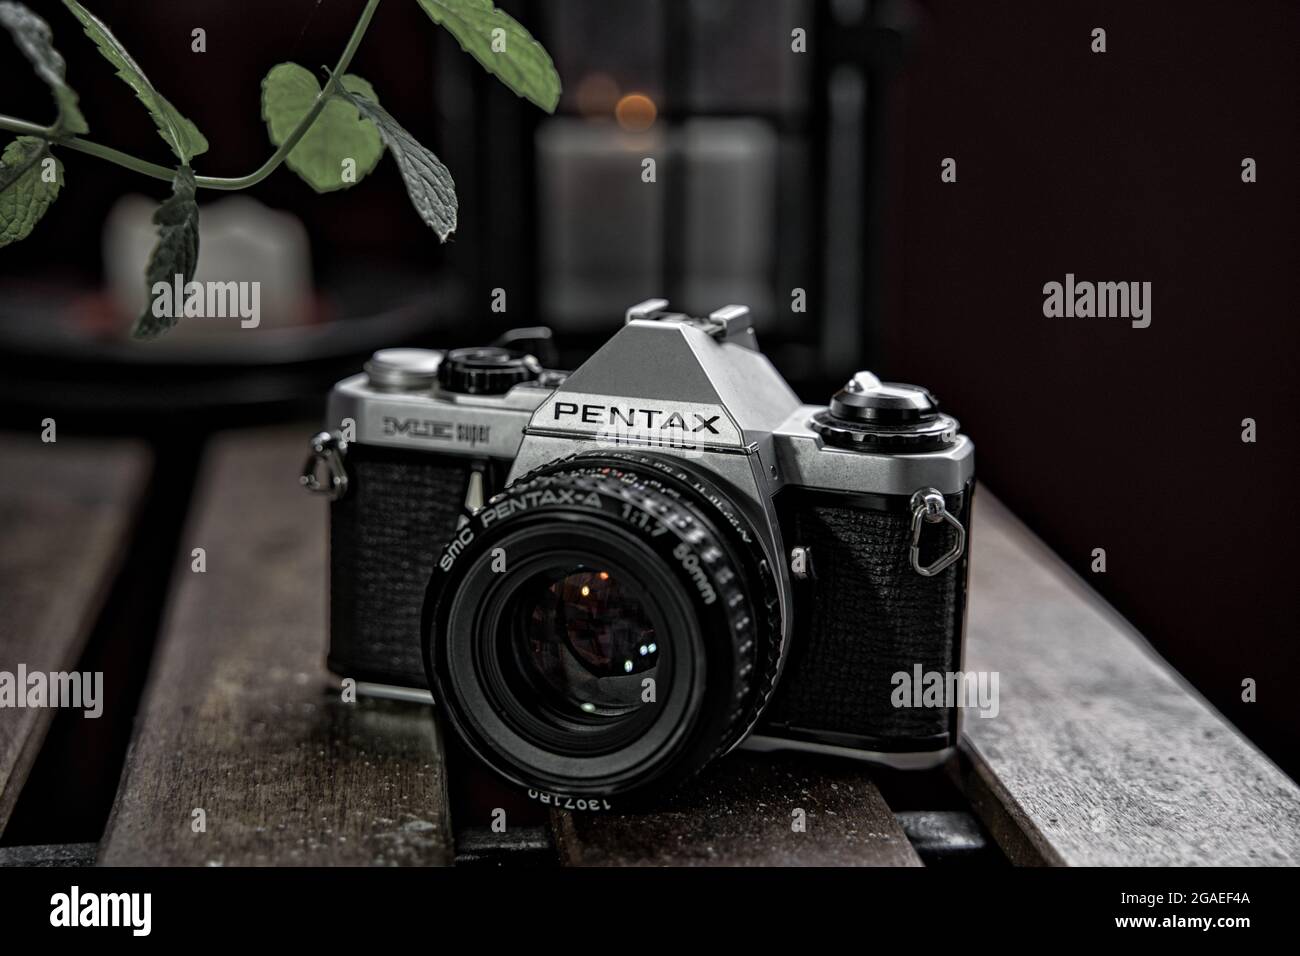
604 627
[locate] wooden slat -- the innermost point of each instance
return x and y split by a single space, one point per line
61 854
240 718
67 509
740 814
1101 754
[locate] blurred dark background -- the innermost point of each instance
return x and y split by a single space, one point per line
777 171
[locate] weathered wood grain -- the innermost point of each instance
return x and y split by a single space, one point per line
240 718
741 813
67 509
1101 754
58 855
943 836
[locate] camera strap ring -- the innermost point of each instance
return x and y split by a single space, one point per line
928 508
327 450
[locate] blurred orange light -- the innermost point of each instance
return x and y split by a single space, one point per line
604 575
635 112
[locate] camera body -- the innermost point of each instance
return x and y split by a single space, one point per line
610 577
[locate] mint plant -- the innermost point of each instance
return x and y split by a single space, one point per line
331 133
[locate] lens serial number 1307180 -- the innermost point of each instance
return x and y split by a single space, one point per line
562 802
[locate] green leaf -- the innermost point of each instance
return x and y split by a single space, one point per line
177 252
182 136
26 190
428 182
338 133
512 55
34 38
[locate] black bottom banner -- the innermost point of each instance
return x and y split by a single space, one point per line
572 906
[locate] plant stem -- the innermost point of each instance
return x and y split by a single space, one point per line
24 128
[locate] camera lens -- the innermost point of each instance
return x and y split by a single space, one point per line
586 639
556 651
603 628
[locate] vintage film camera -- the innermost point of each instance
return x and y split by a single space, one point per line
610 577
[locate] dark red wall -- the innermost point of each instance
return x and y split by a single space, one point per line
1120 166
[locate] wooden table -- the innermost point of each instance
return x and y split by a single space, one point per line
243 752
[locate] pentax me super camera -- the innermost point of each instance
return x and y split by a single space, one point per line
611 577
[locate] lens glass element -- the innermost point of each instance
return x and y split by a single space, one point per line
585 639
